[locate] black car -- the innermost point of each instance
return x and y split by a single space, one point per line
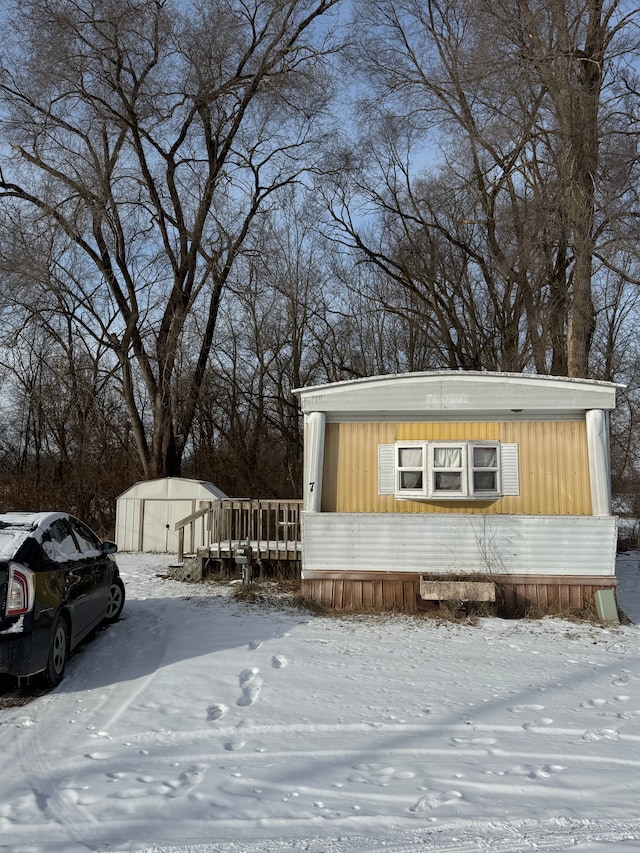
58 581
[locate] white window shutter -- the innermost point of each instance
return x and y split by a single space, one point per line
510 474
386 469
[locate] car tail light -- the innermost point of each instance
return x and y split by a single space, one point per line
21 590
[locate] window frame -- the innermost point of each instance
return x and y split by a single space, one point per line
400 469
433 470
467 469
497 469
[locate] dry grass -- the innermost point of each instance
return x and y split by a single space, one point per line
278 592
588 614
459 612
262 591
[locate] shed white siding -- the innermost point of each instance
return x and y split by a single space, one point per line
146 513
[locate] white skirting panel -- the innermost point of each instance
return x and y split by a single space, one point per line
457 543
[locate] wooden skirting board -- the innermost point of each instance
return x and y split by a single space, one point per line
515 595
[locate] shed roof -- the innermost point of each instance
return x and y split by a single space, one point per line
173 488
450 393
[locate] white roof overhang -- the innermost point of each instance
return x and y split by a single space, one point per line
457 394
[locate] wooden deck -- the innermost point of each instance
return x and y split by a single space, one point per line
218 528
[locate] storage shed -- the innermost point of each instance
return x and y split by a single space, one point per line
147 512
418 479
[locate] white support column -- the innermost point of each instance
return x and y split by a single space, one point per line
599 463
314 461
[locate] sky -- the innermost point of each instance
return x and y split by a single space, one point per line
200 723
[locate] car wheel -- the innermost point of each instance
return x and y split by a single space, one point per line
116 601
58 654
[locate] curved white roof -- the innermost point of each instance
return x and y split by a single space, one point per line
437 394
174 488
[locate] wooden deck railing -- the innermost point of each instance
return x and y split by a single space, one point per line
271 526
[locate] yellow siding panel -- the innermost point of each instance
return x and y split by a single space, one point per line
553 463
554 468
350 474
448 432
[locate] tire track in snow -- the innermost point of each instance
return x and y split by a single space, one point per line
57 800
524 836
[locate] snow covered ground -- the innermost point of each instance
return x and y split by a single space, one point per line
201 724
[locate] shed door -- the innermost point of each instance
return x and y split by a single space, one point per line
158 525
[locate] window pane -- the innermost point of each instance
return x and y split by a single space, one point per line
484 481
57 542
485 457
87 542
447 457
410 457
446 482
411 479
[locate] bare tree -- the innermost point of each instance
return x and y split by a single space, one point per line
66 436
272 337
570 45
152 134
501 242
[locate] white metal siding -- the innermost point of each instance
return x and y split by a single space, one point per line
128 524
455 543
158 531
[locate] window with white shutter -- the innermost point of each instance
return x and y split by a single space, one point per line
463 470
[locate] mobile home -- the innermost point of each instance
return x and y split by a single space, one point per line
420 480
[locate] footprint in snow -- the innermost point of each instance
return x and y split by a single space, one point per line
380 775
214 712
620 680
278 661
186 782
593 703
433 799
519 709
600 734
255 644
250 684
628 715
473 741
543 772
537 724
248 674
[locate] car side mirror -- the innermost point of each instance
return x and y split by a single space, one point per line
109 547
